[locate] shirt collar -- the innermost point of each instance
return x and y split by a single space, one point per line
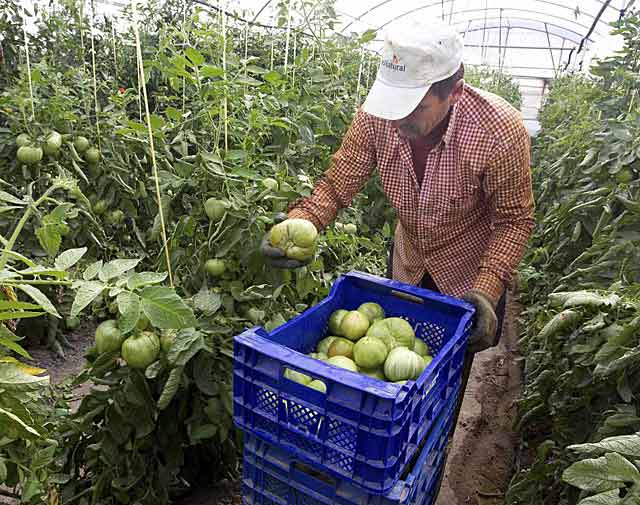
455 112
448 134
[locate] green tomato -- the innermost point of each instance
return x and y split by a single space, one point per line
92 155
370 353
215 209
115 217
403 364
393 331
143 322
141 349
72 323
350 229
335 319
29 155
270 184
354 325
53 143
23 140
296 237
421 348
318 385
108 337
100 207
342 362
81 144
94 170
324 344
625 176
372 310
341 347
298 377
215 267
376 373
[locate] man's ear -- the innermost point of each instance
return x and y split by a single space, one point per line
457 92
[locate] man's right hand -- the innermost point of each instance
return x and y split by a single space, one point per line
275 255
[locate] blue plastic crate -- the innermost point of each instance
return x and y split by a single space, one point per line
362 430
271 476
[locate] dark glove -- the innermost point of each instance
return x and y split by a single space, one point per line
275 255
484 332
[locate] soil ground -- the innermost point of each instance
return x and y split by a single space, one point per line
482 451
73 362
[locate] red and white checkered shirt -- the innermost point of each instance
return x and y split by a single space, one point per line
469 222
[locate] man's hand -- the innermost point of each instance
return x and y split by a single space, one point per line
484 333
275 255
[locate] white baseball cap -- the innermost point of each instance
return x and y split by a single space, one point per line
414 56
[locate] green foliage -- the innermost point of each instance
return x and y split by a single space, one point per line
27 446
586 177
581 373
130 441
496 82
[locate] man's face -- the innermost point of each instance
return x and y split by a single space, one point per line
428 114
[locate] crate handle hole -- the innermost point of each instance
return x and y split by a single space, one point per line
305 380
408 297
314 474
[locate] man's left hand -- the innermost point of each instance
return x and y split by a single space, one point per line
484 333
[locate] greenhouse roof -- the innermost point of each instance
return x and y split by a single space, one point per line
532 40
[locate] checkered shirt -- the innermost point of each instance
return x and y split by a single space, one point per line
469 223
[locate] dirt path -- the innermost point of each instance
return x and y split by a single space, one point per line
481 455
73 362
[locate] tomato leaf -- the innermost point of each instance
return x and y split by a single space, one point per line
129 307
195 56
142 279
627 445
187 344
6 197
69 258
207 302
50 238
165 309
13 346
602 474
116 268
39 297
87 292
92 270
170 388
10 423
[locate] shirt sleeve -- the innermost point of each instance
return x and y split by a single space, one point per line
508 183
351 166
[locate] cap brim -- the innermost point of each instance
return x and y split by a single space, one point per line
392 103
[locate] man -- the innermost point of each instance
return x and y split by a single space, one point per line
453 161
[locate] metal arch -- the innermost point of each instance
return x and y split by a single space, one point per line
412 11
537 30
509 18
439 2
520 27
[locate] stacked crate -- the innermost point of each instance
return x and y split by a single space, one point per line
364 441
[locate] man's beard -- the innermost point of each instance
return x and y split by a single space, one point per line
409 131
